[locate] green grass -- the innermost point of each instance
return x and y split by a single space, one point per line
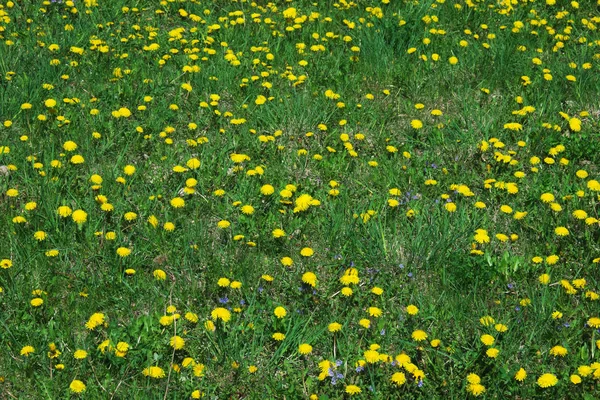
338 125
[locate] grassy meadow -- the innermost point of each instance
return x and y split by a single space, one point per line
235 199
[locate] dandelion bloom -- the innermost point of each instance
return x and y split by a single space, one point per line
278 336
561 231
334 327
309 278
80 354
123 251
488 340
371 356
280 312
547 380
36 302
412 309
416 124
520 375
154 372
27 350
305 349
77 386
307 252
476 389
353 389
95 320
558 351
79 216
419 335
594 322
177 342
398 379
221 313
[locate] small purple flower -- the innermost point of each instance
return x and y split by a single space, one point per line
338 363
360 369
223 300
382 332
420 384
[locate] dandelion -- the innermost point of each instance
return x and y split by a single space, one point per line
123 252
419 335
398 379
561 231
309 278
79 216
307 252
27 350
221 313
594 322
177 342
77 386
353 389
280 312
547 380
154 372
95 320
305 349
520 375
80 354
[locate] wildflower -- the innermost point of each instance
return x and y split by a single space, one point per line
305 349
77 386
159 274
307 252
79 216
398 379
95 320
334 327
375 312
594 322
177 202
419 335
561 231
353 389
412 309
154 372
309 278
492 352
123 251
177 342
476 389
488 340
223 224
547 380
280 312
278 336
558 351
27 350
416 124
221 313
